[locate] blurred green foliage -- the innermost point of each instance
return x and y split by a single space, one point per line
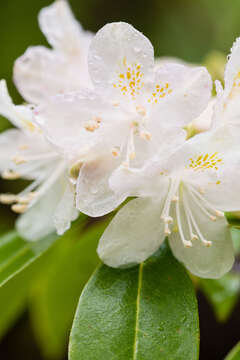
200 31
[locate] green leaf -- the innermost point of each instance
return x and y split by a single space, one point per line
14 294
234 353
16 253
70 263
13 299
236 240
222 294
143 313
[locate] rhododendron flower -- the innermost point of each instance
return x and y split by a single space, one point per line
227 109
133 108
42 72
48 202
183 198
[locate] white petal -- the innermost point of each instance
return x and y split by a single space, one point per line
94 196
115 48
134 234
10 140
204 121
76 122
66 211
187 92
218 183
232 67
207 262
19 115
41 72
38 221
59 26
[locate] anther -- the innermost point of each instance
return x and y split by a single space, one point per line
115 152
219 213
213 218
146 135
19 208
18 160
187 244
24 200
98 119
194 237
10 175
116 103
206 243
91 126
167 230
167 219
7 198
175 199
141 110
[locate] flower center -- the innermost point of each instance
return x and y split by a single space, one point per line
205 161
129 78
160 92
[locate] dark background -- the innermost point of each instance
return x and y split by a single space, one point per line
188 29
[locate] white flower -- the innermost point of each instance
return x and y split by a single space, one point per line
204 121
184 199
42 72
48 202
132 109
227 109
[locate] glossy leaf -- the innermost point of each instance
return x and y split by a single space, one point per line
234 353
143 313
70 263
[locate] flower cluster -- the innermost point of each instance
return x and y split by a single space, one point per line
104 123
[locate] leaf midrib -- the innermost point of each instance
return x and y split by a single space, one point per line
135 344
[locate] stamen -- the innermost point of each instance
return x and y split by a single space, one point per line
166 230
19 208
115 151
186 210
200 236
167 219
175 199
10 175
185 242
170 195
219 213
7 199
145 135
207 207
91 126
24 200
98 119
19 160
